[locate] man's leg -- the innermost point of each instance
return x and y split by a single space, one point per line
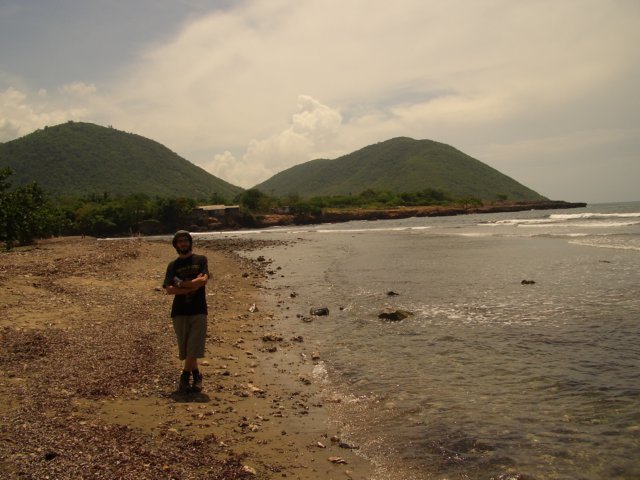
181 328
196 348
190 364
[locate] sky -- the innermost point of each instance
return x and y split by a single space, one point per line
545 91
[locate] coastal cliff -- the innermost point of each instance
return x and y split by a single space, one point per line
346 215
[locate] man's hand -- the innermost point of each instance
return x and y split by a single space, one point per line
188 286
199 281
171 290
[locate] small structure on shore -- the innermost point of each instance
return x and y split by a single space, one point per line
218 215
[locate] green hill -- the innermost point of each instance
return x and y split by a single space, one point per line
400 165
81 158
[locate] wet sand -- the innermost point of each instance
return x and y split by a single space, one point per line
88 369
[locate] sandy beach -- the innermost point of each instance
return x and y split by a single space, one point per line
88 369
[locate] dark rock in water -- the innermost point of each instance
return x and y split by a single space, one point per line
394 315
528 282
318 312
391 293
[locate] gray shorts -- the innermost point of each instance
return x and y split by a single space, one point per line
191 333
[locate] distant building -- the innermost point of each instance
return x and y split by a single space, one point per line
282 210
202 213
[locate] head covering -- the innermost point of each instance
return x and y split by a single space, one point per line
179 234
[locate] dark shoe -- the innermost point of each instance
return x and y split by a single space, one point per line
183 385
197 382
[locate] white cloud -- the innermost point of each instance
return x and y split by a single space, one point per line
308 136
79 88
472 74
21 114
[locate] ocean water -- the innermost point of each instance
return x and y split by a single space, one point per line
489 378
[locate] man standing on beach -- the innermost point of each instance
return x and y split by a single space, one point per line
186 278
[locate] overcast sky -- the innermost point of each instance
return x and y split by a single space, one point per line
545 91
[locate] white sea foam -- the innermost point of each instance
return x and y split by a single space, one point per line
319 372
594 224
367 230
474 234
596 244
515 222
572 216
600 220
563 235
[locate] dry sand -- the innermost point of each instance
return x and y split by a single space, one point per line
88 367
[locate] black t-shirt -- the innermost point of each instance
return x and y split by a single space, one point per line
193 303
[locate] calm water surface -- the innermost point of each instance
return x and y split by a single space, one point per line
489 378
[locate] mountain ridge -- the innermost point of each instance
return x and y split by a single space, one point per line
400 164
83 158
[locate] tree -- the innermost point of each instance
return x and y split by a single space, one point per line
256 201
174 212
25 212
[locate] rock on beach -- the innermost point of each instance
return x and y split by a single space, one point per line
394 315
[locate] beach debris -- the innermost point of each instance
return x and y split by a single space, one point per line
305 379
249 470
297 338
528 282
49 421
511 476
394 315
255 390
315 356
391 293
272 337
293 295
321 445
333 399
337 460
253 308
351 446
205 363
335 439
261 259
307 319
50 456
319 311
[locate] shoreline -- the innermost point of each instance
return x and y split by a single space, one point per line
340 215
89 366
